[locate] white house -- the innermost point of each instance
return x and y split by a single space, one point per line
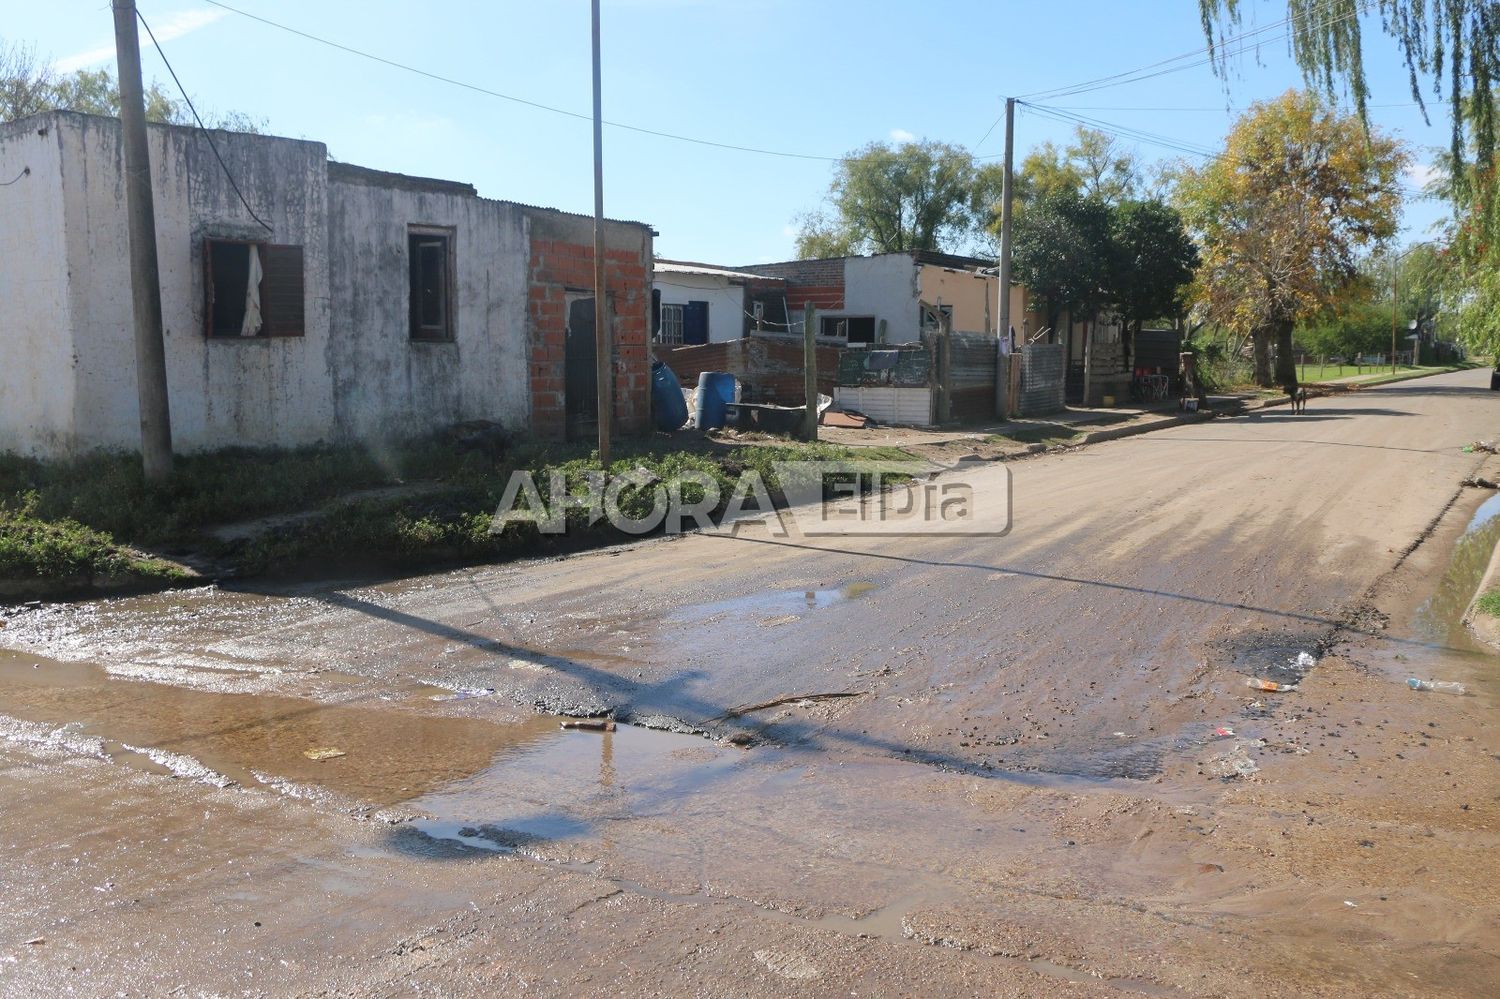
362 305
699 303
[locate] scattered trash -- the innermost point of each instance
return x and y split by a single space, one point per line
1350 904
1437 686
1224 732
36 941
590 724
1235 763
1270 685
1121 735
1487 447
1479 482
322 753
1304 661
1210 868
464 693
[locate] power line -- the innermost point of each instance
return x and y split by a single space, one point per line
1137 135
201 128
512 98
1241 43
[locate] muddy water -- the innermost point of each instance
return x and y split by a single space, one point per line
391 750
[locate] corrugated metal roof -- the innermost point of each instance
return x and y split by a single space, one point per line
680 267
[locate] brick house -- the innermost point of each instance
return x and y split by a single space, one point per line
321 302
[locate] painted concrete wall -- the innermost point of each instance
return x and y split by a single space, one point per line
36 372
726 301
223 391
65 303
386 385
883 286
972 295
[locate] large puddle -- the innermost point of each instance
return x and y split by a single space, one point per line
1438 621
377 748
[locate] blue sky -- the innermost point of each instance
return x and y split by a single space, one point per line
812 77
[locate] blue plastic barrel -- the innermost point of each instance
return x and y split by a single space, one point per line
667 403
715 391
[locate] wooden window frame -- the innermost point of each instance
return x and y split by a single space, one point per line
449 332
276 323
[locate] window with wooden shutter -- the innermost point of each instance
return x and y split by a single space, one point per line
274 307
281 290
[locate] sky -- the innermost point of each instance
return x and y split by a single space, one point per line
809 80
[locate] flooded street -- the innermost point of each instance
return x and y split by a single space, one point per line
969 765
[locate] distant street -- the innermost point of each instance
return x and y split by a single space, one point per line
971 765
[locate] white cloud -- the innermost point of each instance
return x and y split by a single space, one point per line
789 230
171 27
902 135
1422 174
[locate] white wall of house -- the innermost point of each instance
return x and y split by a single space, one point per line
726 300
67 383
883 286
386 385
36 369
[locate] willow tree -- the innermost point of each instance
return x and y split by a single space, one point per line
1451 46
1283 215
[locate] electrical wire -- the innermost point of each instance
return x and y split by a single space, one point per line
1236 45
25 172
1136 135
201 128
517 100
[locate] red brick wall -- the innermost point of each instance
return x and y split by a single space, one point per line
818 281
560 268
768 366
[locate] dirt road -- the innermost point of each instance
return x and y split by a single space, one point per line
975 765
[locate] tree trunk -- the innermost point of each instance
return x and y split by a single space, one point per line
1286 363
1260 340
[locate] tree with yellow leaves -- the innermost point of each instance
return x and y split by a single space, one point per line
1282 216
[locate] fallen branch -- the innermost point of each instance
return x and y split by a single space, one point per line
789 699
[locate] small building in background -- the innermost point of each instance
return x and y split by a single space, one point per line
319 302
694 304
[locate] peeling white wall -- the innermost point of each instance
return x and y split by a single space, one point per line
387 386
67 384
36 370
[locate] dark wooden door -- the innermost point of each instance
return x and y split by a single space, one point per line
581 381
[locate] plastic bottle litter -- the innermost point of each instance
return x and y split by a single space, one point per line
1270 685
1304 661
1437 686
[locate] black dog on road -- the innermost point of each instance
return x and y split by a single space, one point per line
1298 395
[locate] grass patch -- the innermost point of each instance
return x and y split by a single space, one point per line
1489 602
65 550
82 518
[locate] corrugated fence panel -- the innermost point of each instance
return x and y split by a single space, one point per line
971 376
1042 373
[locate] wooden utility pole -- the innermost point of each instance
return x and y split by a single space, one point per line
145 276
603 359
810 373
1002 330
1395 270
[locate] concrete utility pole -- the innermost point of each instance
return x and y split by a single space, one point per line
145 277
810 373
603 361
1003 329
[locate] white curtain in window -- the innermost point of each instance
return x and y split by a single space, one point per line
251 325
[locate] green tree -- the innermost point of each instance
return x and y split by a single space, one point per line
1063 251
1282 215
1154 259
887 198
1445 42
